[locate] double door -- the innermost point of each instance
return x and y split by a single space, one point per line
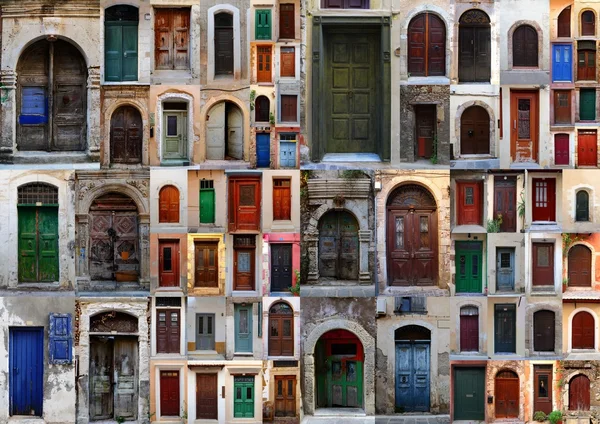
505 322
281 267
338 246
412 376
468 266
38 244
587 148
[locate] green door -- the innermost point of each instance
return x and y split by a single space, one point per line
121 51
175 135
344 382
262 30
469 394
38 243
207 202
468 266
243 402
587 104
350 83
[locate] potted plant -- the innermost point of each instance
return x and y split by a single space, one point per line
295 289
521 211
565 284
555 417
539 416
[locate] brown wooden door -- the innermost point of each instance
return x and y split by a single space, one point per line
168 204
281 330
474 47
287 25
505 203
583 331
126 135
289 108
580 266
469 329
564 22
586 65
542 391
206 397
244 251
543 331
285 396
338 246
469 211
544 199
169 393
543 264
167 331
562 107
507 395
171 29
426 46
263 64
525 47
287 61
281 200
587 148
425 129
244 204
524 125
579 393
223 44
475 131
207 264
168 268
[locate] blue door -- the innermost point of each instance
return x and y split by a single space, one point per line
243 328
26 370
562 63
287 154
263 150
412 376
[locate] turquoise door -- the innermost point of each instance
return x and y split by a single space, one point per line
468 266
243 328
243 401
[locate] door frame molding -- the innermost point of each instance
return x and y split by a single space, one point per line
320 26
457 130
177 97
570 328
158 368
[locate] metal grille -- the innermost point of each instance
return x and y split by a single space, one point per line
38 193
288 137
207 184
168 301
403 305
243 241
285 364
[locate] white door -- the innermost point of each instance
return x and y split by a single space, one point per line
215 132
235 133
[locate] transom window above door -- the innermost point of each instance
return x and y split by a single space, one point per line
345 4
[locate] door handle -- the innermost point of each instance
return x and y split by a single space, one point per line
514 124
350 94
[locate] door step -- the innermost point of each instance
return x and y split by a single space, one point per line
351 157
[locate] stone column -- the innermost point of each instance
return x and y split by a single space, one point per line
364 276
144 235
309 384
93 113
8 85
81 265
312 241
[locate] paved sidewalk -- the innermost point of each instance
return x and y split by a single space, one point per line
337 291
396 419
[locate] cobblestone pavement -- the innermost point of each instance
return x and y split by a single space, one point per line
338 291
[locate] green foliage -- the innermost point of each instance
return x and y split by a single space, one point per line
521 206
568 241
351 174
252 98
555 416
271 118
295 289
120 419
539 416
493 225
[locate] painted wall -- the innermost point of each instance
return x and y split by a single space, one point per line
160 178
197 305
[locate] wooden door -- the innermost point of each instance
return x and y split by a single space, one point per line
525 125
505 269
579 393
205 331
169 394
583 329
262 30
580 266
507 395
582 206
207 201
474 47
525 47
543 264
542 388
505 202
287 153
287 61
586 68
426 46
207 397
101 379
285 396
412 376
281 267
468 266
126 378
544 199
121 43
505 328
562 107
243 400
562 63
235 132
469 394
587 148
168 259
288 108
244 250
287 21
282 199
243 328
175 134
206 256
263 150
469 329
244 204
263 64
352 117
338 246
168 204
475 131
223 44
168 331
126 136
543 331
38 244
561 149
171 40
587 104
26 371
215 132
281 330
425 129
470 197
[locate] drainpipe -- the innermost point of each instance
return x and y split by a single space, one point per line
375 261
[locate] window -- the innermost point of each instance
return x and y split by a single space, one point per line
171 42
287 57
289 108
174 132
345 4
287 150
243 398
562 107
263 64
207 263
282 202
281 330
426 46
287 21
586 60
564 22
469 329
60 335
121 43
262 107
588 23
525 47
168 210
207 202
205 331
582 206
224 43
263 24
562 63
403 305
167 331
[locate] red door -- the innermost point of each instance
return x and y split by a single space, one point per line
169 393
561 149
587 148
505 202
544 203
263 63
168 263
168 210
167 331
244 204
579 393
469 203
543 264
206 397
542 399
583 329
580 266
507 395
524 125
469 329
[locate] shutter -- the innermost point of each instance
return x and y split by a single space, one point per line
525 47
130 53
263 25
289 108
564 22
287 61
163 38
207 205
416 46
60 339
181 35
113 44
286 21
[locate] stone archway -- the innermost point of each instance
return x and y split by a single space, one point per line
459 130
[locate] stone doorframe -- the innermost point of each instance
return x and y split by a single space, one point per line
555 308
457 129
308 358
320 23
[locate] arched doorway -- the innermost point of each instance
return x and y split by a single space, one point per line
580 266
114 239
339 360
543 331
412 368
579 393
281 330
411 237
507 394
51 97
583 329
474 47
475 131
126 135
225 132
113 366
338 246
426 46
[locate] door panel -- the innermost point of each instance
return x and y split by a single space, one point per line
285 396
542 391
243 400
235 132
167 331
223 51
206 397
468 267
505 328
543 264
281 335
505 200
505 269
469 203
263 150
579 393
562 107
561 149
524 125
126 136
126 387
474 53
169 393
475 131
215 133
469 332
101 379
175 135
281 267
244 269
583 328
426 124
580 266
287 154
287 61
243 328
586 66
469 394
282 208
26 371
412 376
562 62
168 208
38 244
587 148
130 52
544 199
287 25
207 269
338 246
171 38
543 331
168 263
244 204
507 395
